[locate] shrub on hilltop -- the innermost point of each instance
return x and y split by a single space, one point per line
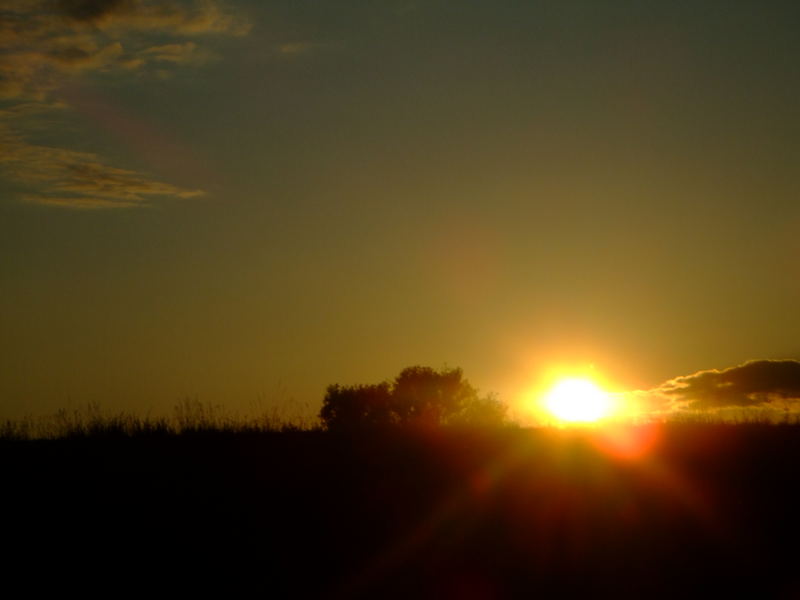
418 396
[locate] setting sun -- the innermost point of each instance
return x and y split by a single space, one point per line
577 400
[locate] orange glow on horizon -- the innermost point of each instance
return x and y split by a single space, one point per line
578 396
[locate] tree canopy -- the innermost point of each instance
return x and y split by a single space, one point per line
417 396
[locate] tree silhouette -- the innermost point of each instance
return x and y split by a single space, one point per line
357 406
418 396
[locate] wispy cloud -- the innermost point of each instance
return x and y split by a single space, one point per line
186 53
47 43
295 48
72 179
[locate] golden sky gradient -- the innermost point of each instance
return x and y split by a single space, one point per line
247 201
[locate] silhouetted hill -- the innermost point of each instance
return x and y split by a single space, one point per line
705 509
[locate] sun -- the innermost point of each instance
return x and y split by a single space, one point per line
577 400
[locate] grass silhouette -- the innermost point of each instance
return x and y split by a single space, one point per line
190 416
205 502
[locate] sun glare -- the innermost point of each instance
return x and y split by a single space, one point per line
577 400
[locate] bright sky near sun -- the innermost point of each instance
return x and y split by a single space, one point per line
244 202
577 401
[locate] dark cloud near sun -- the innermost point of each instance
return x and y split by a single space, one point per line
46 44
754 385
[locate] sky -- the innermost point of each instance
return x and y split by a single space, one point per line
243 202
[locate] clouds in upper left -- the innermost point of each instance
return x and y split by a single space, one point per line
44 44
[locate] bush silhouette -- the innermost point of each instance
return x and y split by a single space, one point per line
418 396
358 405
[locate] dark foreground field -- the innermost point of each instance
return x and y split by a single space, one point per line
678 510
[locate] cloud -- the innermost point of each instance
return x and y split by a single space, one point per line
182 16
25 109
186 53
88 10
205 16
755 383
80 180
78 203
294 48
44 44
757 387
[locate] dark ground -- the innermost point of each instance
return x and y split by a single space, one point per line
705 510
